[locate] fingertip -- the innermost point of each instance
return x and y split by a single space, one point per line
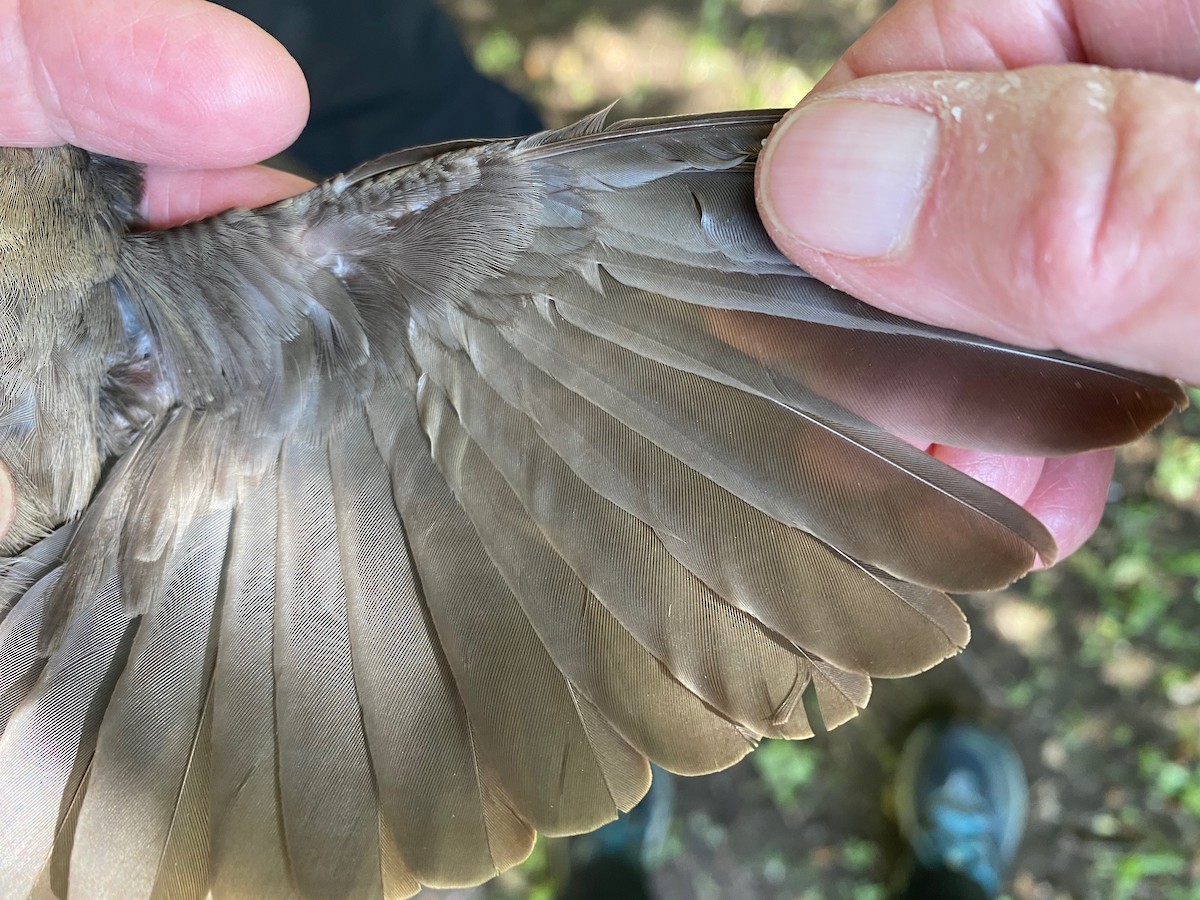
1070 497
184 82
1066 494
256 102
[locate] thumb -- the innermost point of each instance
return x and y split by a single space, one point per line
1054 206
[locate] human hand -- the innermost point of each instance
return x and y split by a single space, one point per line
194 91
1054 207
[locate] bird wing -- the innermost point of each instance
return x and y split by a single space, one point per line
493 473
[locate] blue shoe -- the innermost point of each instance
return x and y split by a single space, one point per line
961 800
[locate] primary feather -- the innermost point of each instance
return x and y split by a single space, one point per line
418 513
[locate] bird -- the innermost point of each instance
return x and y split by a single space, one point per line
360 537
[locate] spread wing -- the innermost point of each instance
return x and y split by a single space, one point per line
492 474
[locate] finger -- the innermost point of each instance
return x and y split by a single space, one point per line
1013 476
1056 207
1067 494
1158 36
1070 495
184 195
178 82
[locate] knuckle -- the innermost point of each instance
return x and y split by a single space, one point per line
1116 205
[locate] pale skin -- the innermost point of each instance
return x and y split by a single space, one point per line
200 94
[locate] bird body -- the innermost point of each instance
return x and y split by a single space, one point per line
362 536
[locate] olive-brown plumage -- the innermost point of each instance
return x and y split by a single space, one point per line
362 536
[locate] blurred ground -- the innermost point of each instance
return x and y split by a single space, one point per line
1092 668
570 57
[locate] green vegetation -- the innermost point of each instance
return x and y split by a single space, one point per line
786 768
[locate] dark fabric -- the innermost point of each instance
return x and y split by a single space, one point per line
607 878
383 75
940 884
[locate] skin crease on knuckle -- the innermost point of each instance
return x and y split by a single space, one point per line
1112 219
94 74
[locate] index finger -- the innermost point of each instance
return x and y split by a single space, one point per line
173 82
1161 36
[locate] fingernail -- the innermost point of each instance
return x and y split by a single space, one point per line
848 176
